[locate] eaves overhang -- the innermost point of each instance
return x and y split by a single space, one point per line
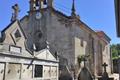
117 15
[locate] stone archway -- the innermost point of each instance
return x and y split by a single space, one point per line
84 74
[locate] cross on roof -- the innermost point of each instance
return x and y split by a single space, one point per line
73 9
15 13
104 66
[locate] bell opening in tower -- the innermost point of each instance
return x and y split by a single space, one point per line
40 4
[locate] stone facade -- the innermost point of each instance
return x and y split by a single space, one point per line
17 62
69 38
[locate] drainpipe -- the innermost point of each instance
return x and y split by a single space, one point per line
119 67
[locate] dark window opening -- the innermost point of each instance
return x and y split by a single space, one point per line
92 45
38 71
17 35
82 42
39 34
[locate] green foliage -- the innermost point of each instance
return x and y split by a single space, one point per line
80 58
115 49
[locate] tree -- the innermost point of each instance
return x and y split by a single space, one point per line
115 49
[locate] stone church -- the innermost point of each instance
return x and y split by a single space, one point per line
32 48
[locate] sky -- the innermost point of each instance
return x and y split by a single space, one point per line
97 14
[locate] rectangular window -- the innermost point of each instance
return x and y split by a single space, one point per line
82 42
38 71
92 45
106 50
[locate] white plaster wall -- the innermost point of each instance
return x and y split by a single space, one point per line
54 72
45 54
80 34
96 55
47 72
2 71
13 72
8 38
26 72
107 57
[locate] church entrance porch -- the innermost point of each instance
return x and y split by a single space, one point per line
85 74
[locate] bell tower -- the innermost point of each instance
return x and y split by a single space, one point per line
40 4
38 15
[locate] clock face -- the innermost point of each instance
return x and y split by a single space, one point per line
38 15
